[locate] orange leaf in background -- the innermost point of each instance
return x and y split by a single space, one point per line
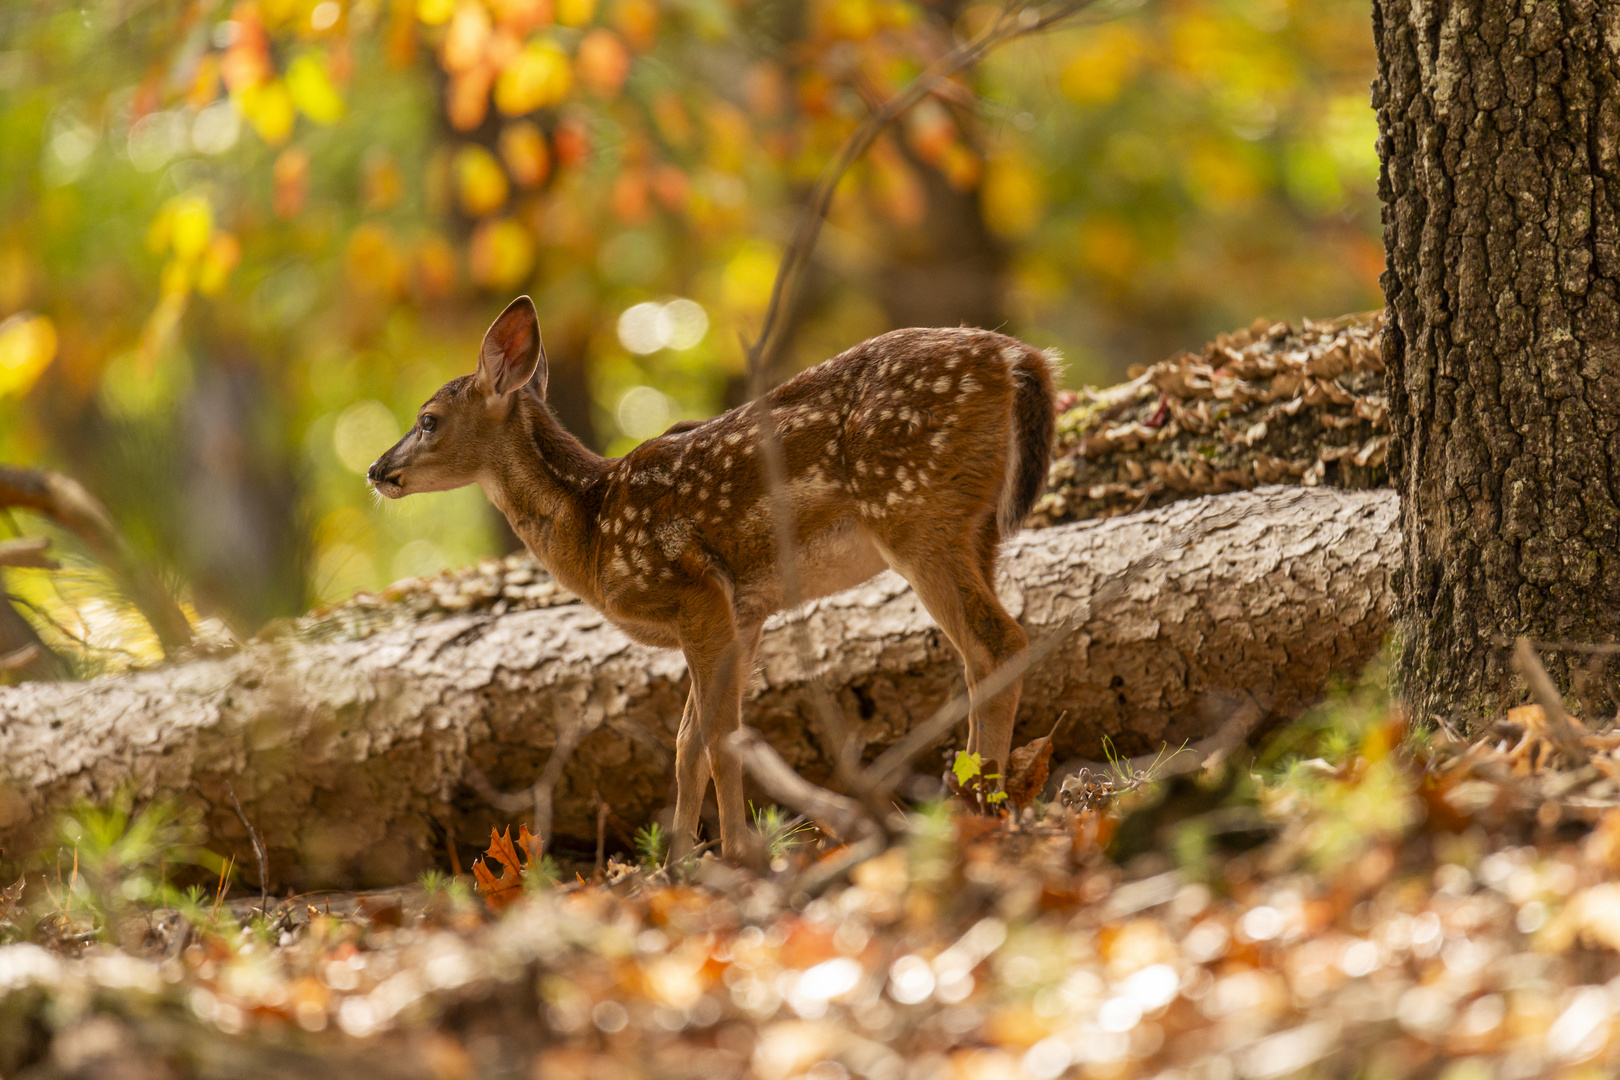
381 183
637 20
763 89
247 58
671 187
571 142
629 197
290 175
671 117
481 186
523 151
603 62
464 43
468 100
499 892
205 84
521 16
930 131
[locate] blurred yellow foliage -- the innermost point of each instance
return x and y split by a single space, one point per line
481 186
269 108
312 91
523 150
435 12
575 12
501 253
372 261
27 347
1106 57
537 77
182 226
745 284
1011 195
224 251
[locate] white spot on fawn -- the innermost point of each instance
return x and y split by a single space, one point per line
968 385
892 498
725 487
942 384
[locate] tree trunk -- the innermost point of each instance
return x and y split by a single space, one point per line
351 754
1499 129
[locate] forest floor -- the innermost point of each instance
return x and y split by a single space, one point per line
1354 898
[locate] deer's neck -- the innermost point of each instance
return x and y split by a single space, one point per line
541 479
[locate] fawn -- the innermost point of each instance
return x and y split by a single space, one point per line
916 450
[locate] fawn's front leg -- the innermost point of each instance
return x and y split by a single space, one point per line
719 657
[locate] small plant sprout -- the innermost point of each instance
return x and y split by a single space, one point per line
651 845
781 832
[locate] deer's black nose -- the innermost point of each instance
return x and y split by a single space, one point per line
375 473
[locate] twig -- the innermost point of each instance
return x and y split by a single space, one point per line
838 814
24 656
258 846
28 553
539 795
1552 706
601 831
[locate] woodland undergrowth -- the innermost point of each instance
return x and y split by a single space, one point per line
1355 897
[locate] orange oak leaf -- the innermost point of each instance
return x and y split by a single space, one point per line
499 892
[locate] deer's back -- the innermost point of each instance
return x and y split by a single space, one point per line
884 445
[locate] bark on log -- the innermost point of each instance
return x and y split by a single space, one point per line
351 756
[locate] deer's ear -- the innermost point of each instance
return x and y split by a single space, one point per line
512 353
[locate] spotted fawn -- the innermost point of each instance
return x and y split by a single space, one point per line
917 450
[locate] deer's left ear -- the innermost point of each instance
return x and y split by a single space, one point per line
512 353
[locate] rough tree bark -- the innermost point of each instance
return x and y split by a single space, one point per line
1499 134
351 756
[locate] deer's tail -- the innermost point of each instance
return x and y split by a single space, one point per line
1034 423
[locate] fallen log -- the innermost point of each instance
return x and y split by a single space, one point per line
352 755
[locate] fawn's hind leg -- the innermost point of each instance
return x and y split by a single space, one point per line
691 777
954 586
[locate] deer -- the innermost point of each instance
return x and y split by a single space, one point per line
917 450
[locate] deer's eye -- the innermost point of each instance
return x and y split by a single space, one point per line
429 422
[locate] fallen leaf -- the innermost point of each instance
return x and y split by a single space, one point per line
1028 767
499 892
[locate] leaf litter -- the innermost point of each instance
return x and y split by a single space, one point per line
1356 898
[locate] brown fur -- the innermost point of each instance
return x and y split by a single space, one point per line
918 450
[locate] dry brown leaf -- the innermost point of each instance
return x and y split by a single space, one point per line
499 892
1029 766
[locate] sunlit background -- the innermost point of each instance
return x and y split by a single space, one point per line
239 244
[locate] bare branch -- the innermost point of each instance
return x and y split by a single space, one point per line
1552 706
14 661
258 846
65 501
28 553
